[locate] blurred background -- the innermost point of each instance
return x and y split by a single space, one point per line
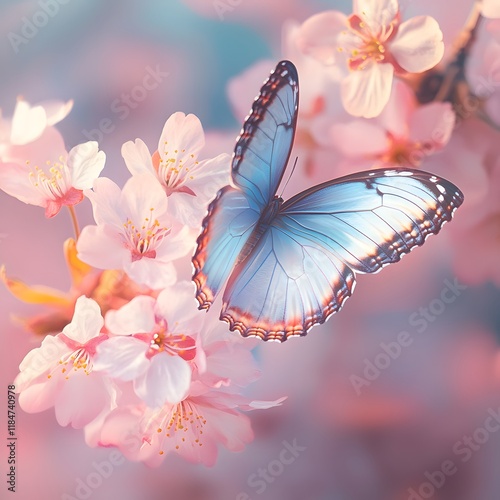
371 416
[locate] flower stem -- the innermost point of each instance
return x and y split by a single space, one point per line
74 220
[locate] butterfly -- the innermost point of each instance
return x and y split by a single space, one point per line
291 264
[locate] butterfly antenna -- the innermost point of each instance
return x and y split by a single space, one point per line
290 176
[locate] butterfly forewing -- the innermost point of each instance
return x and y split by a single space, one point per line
260 157
263 148
372 218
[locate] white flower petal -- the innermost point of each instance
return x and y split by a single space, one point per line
87 321
318 35
136 316
181 137
376 13
151 272
167 380
56 110
178 304
142 193
418 45
40 360
137 157
366 92
122 357
85 162
28 123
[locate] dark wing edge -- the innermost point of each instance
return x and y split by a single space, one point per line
285 73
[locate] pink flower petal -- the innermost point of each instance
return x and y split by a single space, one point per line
90 246
81 399
317 36
15 181
121 429
48 147
432 124
366 92
167 380
39 396
418 45
241 88
359 138
122 357
395 116
106 203
137 157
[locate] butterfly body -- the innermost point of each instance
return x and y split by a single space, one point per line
288 265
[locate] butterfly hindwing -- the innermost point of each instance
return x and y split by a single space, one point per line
263 147
226 229
286 285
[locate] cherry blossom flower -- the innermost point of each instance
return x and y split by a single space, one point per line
50 177
404 134
60 372
490 8
28 124
134 231
483 70
153 344
189 183
192 428
110 289
376 44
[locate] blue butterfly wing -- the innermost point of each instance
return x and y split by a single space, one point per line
373 218
286 285
303 267
260 157
263 147
226 229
